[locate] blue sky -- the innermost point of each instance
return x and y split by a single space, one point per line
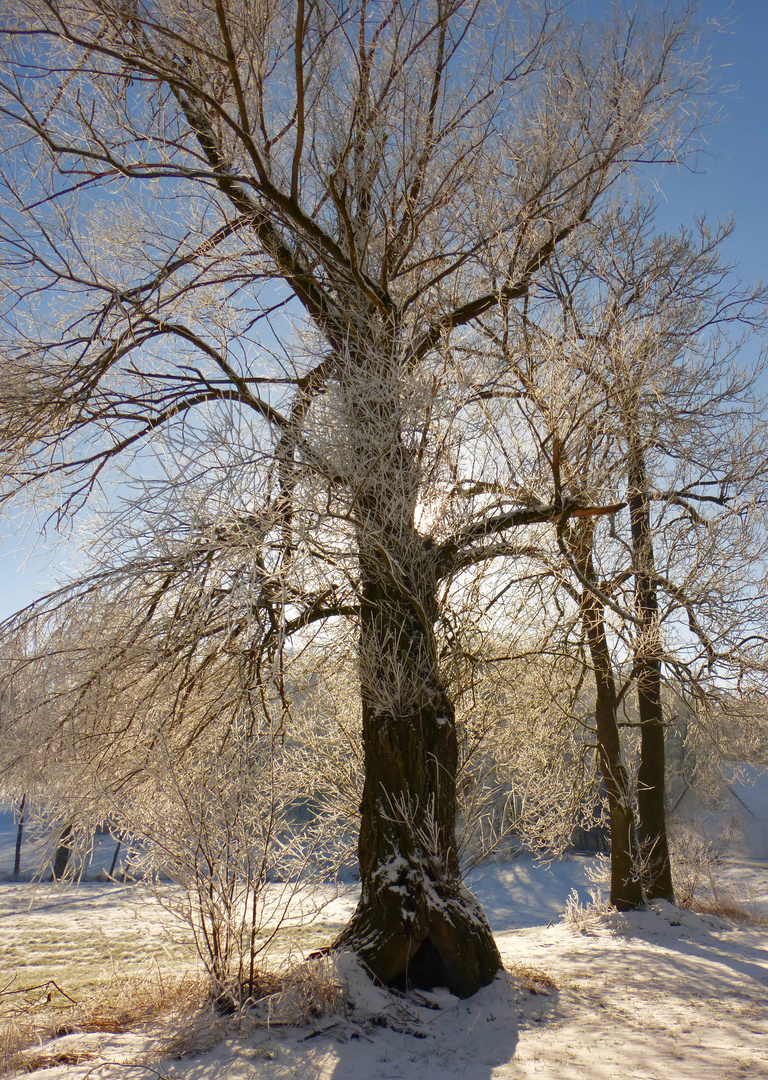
732 172
731 176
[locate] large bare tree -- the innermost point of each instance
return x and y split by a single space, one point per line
278 226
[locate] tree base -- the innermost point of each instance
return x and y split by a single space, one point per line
628 905
661 890
441 940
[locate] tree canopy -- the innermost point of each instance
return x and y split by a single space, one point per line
253 258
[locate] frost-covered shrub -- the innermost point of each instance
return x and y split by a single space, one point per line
696 858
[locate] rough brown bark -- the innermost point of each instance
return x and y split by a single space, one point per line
415 924
652 823
626 889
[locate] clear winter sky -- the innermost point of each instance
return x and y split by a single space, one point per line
731 177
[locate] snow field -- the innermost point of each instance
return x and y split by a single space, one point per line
664 994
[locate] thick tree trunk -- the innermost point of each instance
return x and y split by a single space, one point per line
626 890
652 823
415 925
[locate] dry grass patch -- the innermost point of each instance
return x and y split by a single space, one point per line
305 992
36 1032
141 1004
534 980
728 908
42 1027
16 1035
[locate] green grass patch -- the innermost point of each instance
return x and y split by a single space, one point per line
87 941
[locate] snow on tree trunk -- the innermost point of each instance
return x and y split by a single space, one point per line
416 924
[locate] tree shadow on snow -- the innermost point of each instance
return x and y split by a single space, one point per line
737 959
380 1035
443 1036
690 953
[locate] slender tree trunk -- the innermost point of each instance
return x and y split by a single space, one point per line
626 890
19 835
652 824
114 858
62 853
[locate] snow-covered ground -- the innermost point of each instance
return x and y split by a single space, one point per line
663 994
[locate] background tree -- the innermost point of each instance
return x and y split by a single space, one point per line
627 364
676 386
19 838
180 184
